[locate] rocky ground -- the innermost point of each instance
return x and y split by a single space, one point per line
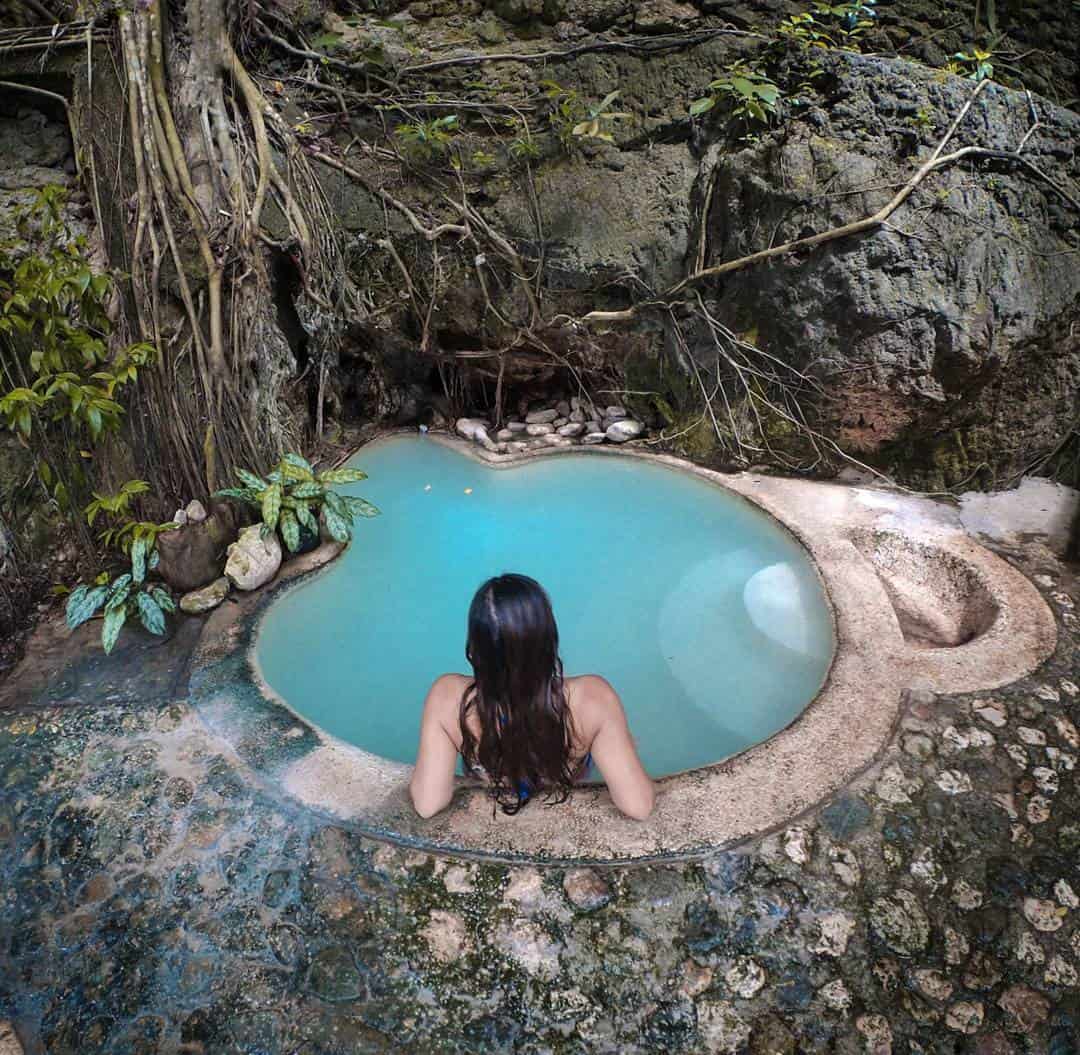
560 424
155 901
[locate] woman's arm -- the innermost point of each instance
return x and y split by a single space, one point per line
616 756
432 784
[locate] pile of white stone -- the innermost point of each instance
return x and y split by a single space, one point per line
567 423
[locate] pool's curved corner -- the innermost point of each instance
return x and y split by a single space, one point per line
765 787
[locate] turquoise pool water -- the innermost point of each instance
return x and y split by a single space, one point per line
705 615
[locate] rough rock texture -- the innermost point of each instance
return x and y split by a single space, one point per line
35 151
156 900
253 560
208 598
948 340
193 554
945 345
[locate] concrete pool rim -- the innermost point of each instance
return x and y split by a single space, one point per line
840 732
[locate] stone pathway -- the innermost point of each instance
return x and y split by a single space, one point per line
152 901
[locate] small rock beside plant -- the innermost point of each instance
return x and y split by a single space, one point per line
253 560
206 599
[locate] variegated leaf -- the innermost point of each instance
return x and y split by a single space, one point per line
290 530
153 618
83 603
163 598
110 631
252 481
336 525
138 560
271 506
341 476
361 507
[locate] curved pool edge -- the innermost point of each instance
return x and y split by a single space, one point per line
698 812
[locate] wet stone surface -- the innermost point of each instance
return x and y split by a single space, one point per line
152 899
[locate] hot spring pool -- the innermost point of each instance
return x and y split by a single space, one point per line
706 616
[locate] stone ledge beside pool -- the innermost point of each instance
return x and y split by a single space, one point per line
996 628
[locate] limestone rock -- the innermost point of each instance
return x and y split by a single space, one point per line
446 935
745 978
191 556
572 429
965 1016
539 428
253 561
206 599
541 417
593 438
9 1043
529 946
947 354
586 890
469 427
900 922
195 511
1044 915
626 429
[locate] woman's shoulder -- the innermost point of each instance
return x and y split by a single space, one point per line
592 688
593 701
448 688
446 682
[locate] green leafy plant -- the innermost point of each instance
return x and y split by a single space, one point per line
125 529
922 119
54 308
61 379
598 119
523 148
828 25
565 111
974 64
129 594
426 140
294 494
750 96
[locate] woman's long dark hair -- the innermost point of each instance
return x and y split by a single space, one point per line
526 744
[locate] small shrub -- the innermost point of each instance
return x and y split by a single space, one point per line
750 96
426 140
573 121
974 64
828 25
293 495
124 530
120 598
595 125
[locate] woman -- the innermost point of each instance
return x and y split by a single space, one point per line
517 722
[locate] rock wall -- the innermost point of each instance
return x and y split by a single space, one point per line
947 340
945 345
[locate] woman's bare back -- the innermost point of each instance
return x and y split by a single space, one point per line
599 729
